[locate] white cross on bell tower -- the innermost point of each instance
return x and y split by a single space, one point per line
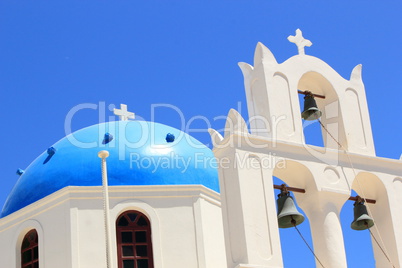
123 113
300 42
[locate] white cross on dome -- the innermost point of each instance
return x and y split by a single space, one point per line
123 113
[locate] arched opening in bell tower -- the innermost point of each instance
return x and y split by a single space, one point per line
360 245
311 129
294 174
357 243
329 130
292 245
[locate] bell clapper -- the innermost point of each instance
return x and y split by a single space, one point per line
293 221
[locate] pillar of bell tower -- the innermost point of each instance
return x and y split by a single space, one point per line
248 203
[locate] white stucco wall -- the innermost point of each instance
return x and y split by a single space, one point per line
51 220
186 222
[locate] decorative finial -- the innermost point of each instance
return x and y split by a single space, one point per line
51 151
170 137
103 154
123 113
300 42
20 171
107 138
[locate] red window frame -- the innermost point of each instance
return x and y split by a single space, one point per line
134 244
30 250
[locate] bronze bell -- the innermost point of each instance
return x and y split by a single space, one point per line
362 220
311 111
288 216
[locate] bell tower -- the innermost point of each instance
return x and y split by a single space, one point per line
275 146
272 100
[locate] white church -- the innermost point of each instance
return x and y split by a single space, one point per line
137 194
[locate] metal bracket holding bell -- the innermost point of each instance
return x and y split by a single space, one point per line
289 216
300 190
306 92
288 188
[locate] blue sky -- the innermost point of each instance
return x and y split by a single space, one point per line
55 55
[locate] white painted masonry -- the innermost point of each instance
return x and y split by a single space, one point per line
186 222
327 174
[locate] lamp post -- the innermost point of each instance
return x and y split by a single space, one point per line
103 155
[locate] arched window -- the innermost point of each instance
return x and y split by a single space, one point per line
29 250
134 245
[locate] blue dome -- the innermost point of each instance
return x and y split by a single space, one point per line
141 153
